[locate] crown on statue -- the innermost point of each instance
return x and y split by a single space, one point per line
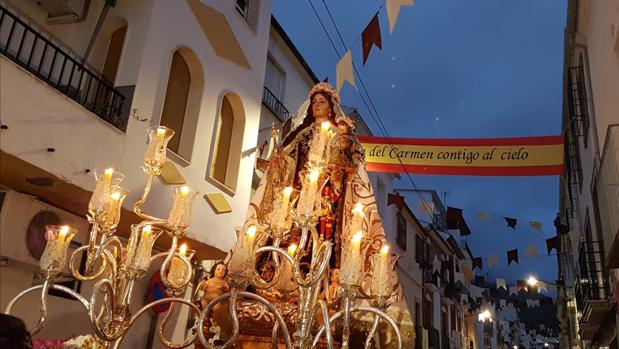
325 87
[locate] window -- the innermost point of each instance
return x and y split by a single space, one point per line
274 78
242 6
381 198
418 250
112 60
401 231
228 141
417 313
182 101
577 100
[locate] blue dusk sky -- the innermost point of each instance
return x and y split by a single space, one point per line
457 69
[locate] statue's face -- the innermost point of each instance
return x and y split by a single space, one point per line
320 107
220 271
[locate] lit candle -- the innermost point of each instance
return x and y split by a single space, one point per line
160 133
177 213
292 249
380 286
251 234
320 143
55 254
356 220
107 175
177 275
309 193
352 265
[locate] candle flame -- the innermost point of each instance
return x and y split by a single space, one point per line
292 249
182 250
147 229
184 190
288 191
64 230
313 176
160 131
108 172
356 239
325 125
251 232
359 209
384 250
115 195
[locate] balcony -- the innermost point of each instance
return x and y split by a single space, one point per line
270 100
592 289
607 192
37 54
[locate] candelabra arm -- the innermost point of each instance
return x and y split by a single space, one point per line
370 337
256 280
314 274
233 295
43 309
92 244
117 330
164 266
373 310
346 322
325 319
75 271
137 207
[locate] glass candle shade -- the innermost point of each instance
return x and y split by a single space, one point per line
381 273
351 267
155 156
313 180
180 214
280 220
105 180
319 148
179 274
110 214
139 249
54 256
242 251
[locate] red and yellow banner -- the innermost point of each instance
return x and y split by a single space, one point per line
522 156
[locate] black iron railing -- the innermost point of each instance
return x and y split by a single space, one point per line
275 106
28 48
591 283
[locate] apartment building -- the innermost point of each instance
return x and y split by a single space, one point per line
81 82
589 196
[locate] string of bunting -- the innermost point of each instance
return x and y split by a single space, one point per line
370 37
455 219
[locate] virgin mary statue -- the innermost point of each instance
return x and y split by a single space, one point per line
317 175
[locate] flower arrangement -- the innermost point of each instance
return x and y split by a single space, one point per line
79 342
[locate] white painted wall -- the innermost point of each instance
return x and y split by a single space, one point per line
155 29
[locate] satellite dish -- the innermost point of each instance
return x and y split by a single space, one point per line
35 235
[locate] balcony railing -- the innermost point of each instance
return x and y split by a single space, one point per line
591 283
270 100
34 52
607 189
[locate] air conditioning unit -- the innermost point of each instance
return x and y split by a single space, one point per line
22 227
65 11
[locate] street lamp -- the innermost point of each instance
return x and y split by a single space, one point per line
532 281
485 315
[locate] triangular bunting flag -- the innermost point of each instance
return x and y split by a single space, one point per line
501 283
371 37
511 222
455 220
483 216
552 243
393 11
344 71
531 251
512 256
560 227
395 198
513 290
502 302
477 262
537 226
493 261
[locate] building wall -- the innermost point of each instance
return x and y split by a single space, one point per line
155 30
